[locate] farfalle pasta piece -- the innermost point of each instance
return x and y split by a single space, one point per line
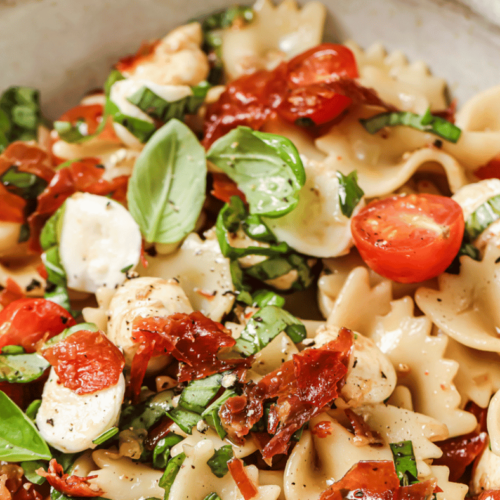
384 162
419 360
409 87
275 34
493 423
486 473
450 491
466 305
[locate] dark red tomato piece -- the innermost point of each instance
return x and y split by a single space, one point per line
489 171
322 429
322 64
489 495
245 484
145 53
224 188
316 103
86 362
410 238
27 321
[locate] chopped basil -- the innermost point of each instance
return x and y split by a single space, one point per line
140 129
263 298
23 184
469 250
256 229
211 414
198 393
113 77
186 420
22 368
57 495
148 413
127 268
405 462
173 468
19 438
242 290
13 349
482 217
264 326
266 167
162 449
212 496
69 132
29 469
167 188
350 193
106 436
426 123
158 108
219 460
33 408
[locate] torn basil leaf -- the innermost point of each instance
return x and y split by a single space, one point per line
33 408
426 123
13 349
113 77
211 414
219 460
405 462
185 419
266 167
106 436
29 469
264 326
140 129
350 193
171 471
23 184
162 449
482 217
22 368
212 496
242 289
167 188
146 414
263 298
198 393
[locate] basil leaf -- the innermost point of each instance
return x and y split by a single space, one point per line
219 460
350 193
13 349
264 326
33 408
225 18
186 420
29 469
266 167
19 438
242 290
426 123
106 436
263 298
160 109
57 495
22 368
404 462
113 77
482 217
162 449
212 496
145 415
211 414
167 188
23 184
256 229
173 468
141 129
198 393
72 133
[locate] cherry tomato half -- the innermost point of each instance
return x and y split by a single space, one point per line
322 64
409 238
26 321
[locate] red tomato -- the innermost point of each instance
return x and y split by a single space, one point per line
86 362
409 238
489 171
224 188
316 102
245 484
145 53
322 64
26 321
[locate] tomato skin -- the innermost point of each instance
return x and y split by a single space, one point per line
10 293
489 171
394 247
30 320
224 188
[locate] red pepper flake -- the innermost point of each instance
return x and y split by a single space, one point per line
11 293
224 188
303 386
86 362
245 484
69 485
363 435
377 480
194 340
322 429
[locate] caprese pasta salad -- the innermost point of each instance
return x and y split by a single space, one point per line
254 265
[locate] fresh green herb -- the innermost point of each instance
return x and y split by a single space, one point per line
145 415
212 496
19 438
266 167
263 298
405 462
140 129
211 414
225 18
57 495
33 408
22 368
482 217
219 460
23 184
69 132
350 193
426 123
198 393
162 449
264 326
113 77
186 420
167 188
160 109
242 290
106 436
13 349
127 268
256 229
469 250
173 468
29 469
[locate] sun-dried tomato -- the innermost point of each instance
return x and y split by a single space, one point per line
224 188
480 414
10 294
322 429
194 340
489 171
69 485
145 53
363 435
245 484
489 495
86 362
26 321
303 386
13 486
377 480
83 175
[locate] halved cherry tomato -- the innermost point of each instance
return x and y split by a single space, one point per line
322 64
26 321
224 188
409 238
489 171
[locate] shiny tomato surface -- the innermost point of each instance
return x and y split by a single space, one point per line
410 238
27 321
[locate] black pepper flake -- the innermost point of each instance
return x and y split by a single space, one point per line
50 421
